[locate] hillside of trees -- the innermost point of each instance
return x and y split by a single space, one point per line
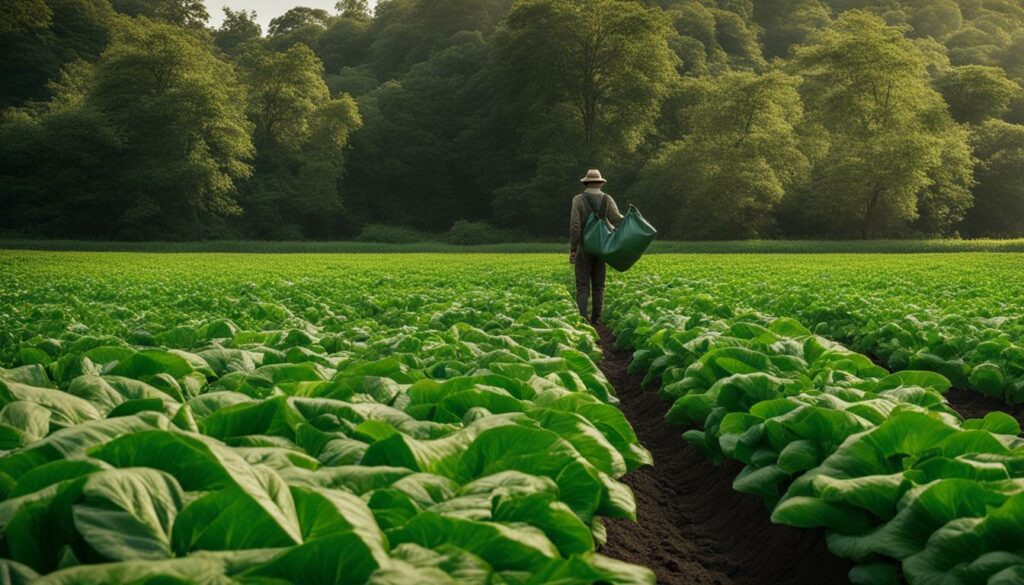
720 119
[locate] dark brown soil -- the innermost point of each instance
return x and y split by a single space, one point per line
973 404
692 527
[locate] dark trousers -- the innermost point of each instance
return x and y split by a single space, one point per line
590 273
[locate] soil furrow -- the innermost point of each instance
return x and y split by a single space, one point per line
692 527
974 404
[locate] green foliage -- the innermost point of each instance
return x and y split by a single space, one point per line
346 44
76 29
239 26
908 312
23 15
741 155
998 209
284 89
584 82
354 9
187 13
301 135
887 129
489 109
975 93
367 426
387 234
942 206
725 37
828 439
297 18
789 23
475 233
605 65
156 79
323 164
540 246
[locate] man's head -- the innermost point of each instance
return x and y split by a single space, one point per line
593 180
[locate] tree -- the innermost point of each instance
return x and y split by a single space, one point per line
944 203
300 135
24 15
1012 60
743 154
298 17
712 40
355 81
423 139
318 203
284 89
789 22
238 27
489 110
975 92
345 43
605 64
58 166
936 18
866 86
158 80
584 81
408 32
188 13
737 40
935 56
354 9
999 195
298 25
34 56
973 46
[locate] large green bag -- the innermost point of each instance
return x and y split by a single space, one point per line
621 247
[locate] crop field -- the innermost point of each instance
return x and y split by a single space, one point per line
958 315
440 418
826 436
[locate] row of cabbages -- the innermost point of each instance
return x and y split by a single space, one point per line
830 439
976 343
915 318
410 440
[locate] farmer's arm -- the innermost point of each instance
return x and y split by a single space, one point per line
613 213
575 226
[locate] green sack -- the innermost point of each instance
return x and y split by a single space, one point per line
620 248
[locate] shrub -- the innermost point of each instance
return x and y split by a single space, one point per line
390 234
474 233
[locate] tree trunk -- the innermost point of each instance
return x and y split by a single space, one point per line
869 228
197 225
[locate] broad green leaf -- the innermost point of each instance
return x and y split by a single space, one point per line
127 514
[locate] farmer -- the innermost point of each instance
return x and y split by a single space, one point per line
590 270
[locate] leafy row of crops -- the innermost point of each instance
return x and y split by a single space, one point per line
830 439
372 420
958 315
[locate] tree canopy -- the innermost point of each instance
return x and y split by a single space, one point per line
719 118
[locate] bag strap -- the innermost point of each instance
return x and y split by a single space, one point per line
593 208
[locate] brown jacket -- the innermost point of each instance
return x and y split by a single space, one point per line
581 211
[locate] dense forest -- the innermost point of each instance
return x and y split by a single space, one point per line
720 119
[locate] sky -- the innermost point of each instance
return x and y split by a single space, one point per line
265 9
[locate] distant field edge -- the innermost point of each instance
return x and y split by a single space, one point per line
659 247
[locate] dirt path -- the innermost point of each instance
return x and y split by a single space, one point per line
692 527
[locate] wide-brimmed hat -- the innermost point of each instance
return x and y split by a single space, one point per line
593 176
